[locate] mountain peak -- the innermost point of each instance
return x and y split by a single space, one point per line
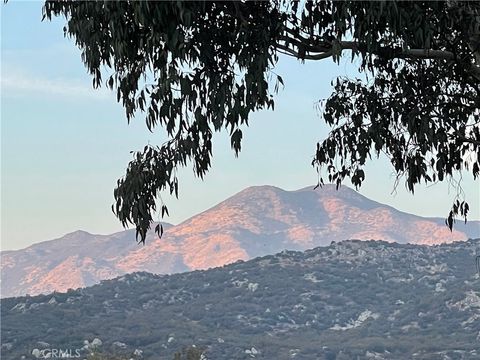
330 189
77 233
258 221
261 188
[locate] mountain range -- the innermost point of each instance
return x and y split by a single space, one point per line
257 221
350 300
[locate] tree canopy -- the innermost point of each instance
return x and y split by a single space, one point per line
194 68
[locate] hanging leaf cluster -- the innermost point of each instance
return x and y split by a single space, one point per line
193 68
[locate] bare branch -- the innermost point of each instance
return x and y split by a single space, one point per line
292 52
312 49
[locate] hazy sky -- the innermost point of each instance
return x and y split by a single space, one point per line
63 144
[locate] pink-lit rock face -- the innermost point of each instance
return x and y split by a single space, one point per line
428 233
301 235
257 221
213 251
55 279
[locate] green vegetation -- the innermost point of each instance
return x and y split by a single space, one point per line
104 356
343 300
194 68
190 353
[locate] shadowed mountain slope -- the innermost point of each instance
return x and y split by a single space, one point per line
257 221
349 300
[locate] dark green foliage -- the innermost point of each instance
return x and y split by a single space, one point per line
107 356
423 300
190 353
198 67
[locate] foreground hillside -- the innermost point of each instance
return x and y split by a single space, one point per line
362 300
258 221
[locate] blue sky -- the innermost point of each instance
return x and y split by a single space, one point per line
63 144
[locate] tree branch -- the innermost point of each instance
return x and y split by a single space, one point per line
305 56
356 46
469 140
318 50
